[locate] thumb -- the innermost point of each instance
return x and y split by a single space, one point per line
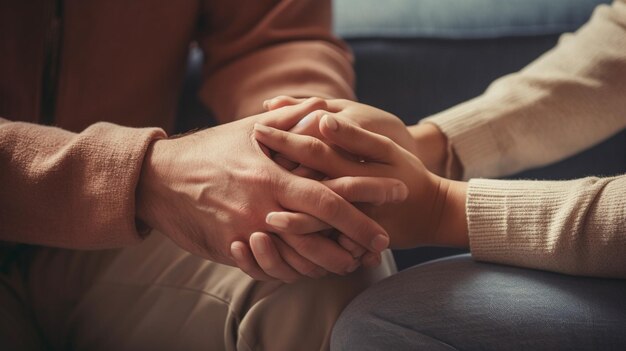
287 117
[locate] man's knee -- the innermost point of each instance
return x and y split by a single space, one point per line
301 315
159 287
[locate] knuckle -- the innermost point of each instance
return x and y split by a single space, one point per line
362 230
270 266
305 267
246 210
329 204
315 101
344 101
358 251
380 194
339 265
258 175
259 178
388 145
348 186
305 193
282 100
347 243
315 116
281 138
315 147
299 224
345 265
304 245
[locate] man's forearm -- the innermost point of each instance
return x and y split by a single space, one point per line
70 190
264 59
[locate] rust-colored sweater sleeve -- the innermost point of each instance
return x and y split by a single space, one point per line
255 50
63 189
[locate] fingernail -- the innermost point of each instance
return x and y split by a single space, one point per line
304 122
380 242
276 220
266 105
330 122
262 129
354 266
371 261
399 193
237 252
260 244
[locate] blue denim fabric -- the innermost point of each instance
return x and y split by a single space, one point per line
458 19
458 304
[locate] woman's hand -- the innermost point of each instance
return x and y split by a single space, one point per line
364 116
426 141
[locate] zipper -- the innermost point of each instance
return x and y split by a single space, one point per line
52 53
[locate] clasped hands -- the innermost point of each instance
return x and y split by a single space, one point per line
347 139
329 196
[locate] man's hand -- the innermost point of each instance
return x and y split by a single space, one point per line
268 256
211 188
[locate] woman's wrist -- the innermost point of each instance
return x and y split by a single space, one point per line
431 147
452 229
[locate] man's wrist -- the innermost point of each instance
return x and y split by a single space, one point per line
146 185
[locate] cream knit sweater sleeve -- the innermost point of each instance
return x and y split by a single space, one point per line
569 99
575 227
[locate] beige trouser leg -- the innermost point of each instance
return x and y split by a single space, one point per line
155 296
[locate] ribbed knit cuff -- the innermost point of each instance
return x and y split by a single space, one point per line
116 162
526 223
467 128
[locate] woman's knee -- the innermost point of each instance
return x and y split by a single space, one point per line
456 302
